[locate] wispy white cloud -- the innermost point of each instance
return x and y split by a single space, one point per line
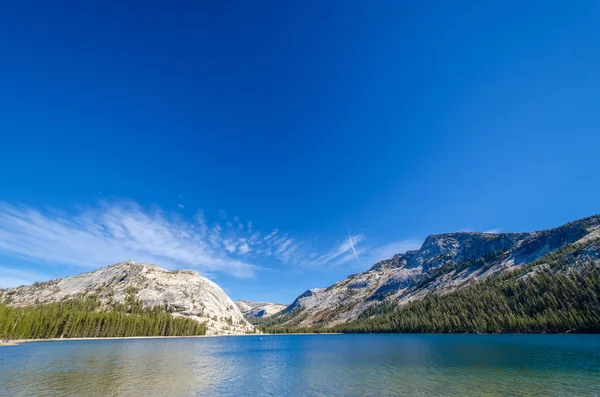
336 256
230 246
112 233
180 205
342 252
348 257
244 248
352 243
284 245
271 235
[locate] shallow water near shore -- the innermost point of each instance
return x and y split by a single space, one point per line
307 365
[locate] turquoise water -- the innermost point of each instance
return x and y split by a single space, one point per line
307 365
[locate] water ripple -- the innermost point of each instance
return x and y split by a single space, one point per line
311 365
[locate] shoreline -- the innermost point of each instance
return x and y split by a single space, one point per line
15 342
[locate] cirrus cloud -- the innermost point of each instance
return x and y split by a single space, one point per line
112 233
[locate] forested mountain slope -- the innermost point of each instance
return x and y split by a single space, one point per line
445 263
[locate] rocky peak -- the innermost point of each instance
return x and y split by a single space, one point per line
397 261
258 309
307 299
440 248
188 292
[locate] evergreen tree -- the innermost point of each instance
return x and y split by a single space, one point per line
83 317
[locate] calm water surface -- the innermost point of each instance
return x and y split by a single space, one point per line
307 365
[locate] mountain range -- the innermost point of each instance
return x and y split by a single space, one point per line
444 265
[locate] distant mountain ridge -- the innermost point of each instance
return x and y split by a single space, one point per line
444 263
258 309
184 292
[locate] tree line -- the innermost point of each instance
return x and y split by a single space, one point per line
84 317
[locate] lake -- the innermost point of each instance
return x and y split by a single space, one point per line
307 365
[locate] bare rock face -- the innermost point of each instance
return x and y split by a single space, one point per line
444 263
184 291
258 309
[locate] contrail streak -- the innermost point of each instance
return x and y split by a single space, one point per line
352 243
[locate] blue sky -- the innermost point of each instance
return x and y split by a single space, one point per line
238 139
